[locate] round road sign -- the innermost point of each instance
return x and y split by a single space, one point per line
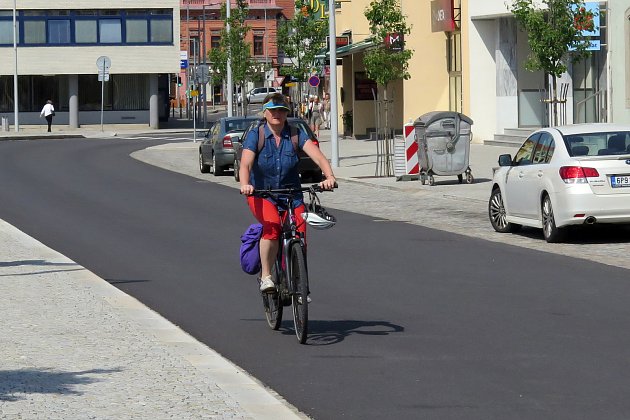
313 81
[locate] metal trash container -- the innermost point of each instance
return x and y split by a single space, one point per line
444 145
5 123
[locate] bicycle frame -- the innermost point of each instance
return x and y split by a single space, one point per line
288 236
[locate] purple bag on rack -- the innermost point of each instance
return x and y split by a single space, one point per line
250 252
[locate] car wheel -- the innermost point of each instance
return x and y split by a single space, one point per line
203 168
216 170
551 232
496 213
237 167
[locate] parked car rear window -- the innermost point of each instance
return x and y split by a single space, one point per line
237 125
598 144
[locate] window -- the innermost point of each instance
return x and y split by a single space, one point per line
524 154
259 48
110 30
68 27
59 31
544 149
215 41
6 32
161 30
85 32
137 30
35 32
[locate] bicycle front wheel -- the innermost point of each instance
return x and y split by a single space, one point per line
299 281
273 304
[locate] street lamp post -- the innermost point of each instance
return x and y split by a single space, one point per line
16 122
334 132
230 85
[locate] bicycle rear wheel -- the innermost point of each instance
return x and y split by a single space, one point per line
272 304
299 281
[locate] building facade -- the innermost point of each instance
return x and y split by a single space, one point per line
505 96
437 67
57 53
201 27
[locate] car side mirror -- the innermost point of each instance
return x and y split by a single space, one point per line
505 160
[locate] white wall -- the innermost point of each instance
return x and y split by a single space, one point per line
82 60
619 56
482 44
487 8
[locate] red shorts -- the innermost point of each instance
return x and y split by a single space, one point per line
267 214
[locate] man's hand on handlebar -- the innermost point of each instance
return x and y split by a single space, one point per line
247 189
329 183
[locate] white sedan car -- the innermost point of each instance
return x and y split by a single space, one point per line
562 176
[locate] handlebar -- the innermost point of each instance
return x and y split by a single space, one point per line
315 188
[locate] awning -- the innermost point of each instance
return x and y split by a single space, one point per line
347 50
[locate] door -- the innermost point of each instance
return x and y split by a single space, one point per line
534 176
518 177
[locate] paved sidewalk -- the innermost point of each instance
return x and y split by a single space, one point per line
76 347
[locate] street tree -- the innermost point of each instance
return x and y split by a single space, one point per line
557 33
301 39
234 46
389 59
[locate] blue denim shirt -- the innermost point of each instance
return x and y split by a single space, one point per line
275 166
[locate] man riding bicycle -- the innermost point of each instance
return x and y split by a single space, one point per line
274 165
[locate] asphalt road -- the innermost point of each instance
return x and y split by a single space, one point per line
407 321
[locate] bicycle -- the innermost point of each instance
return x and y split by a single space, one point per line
290 273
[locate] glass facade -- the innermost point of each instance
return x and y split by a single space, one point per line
124 92
81 27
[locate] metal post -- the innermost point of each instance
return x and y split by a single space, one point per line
188 68
16 102
230 85
205 84
265 46
194 96
334 131
102 96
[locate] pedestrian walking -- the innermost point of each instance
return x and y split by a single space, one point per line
48 112
326 111
316 116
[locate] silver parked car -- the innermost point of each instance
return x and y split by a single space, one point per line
563 176
257 95
216 151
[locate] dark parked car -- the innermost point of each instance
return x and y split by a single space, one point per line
309 171
216 151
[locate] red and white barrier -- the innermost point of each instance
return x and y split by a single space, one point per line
411 150
406 154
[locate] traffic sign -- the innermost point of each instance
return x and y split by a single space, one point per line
103 63
313 81
183 64
194 93
103 77
279 80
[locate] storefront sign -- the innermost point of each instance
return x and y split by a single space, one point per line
395 41
442 19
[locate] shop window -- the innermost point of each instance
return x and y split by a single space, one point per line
365 89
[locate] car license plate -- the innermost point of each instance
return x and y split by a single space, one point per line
618 181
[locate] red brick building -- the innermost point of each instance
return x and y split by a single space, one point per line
201 26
